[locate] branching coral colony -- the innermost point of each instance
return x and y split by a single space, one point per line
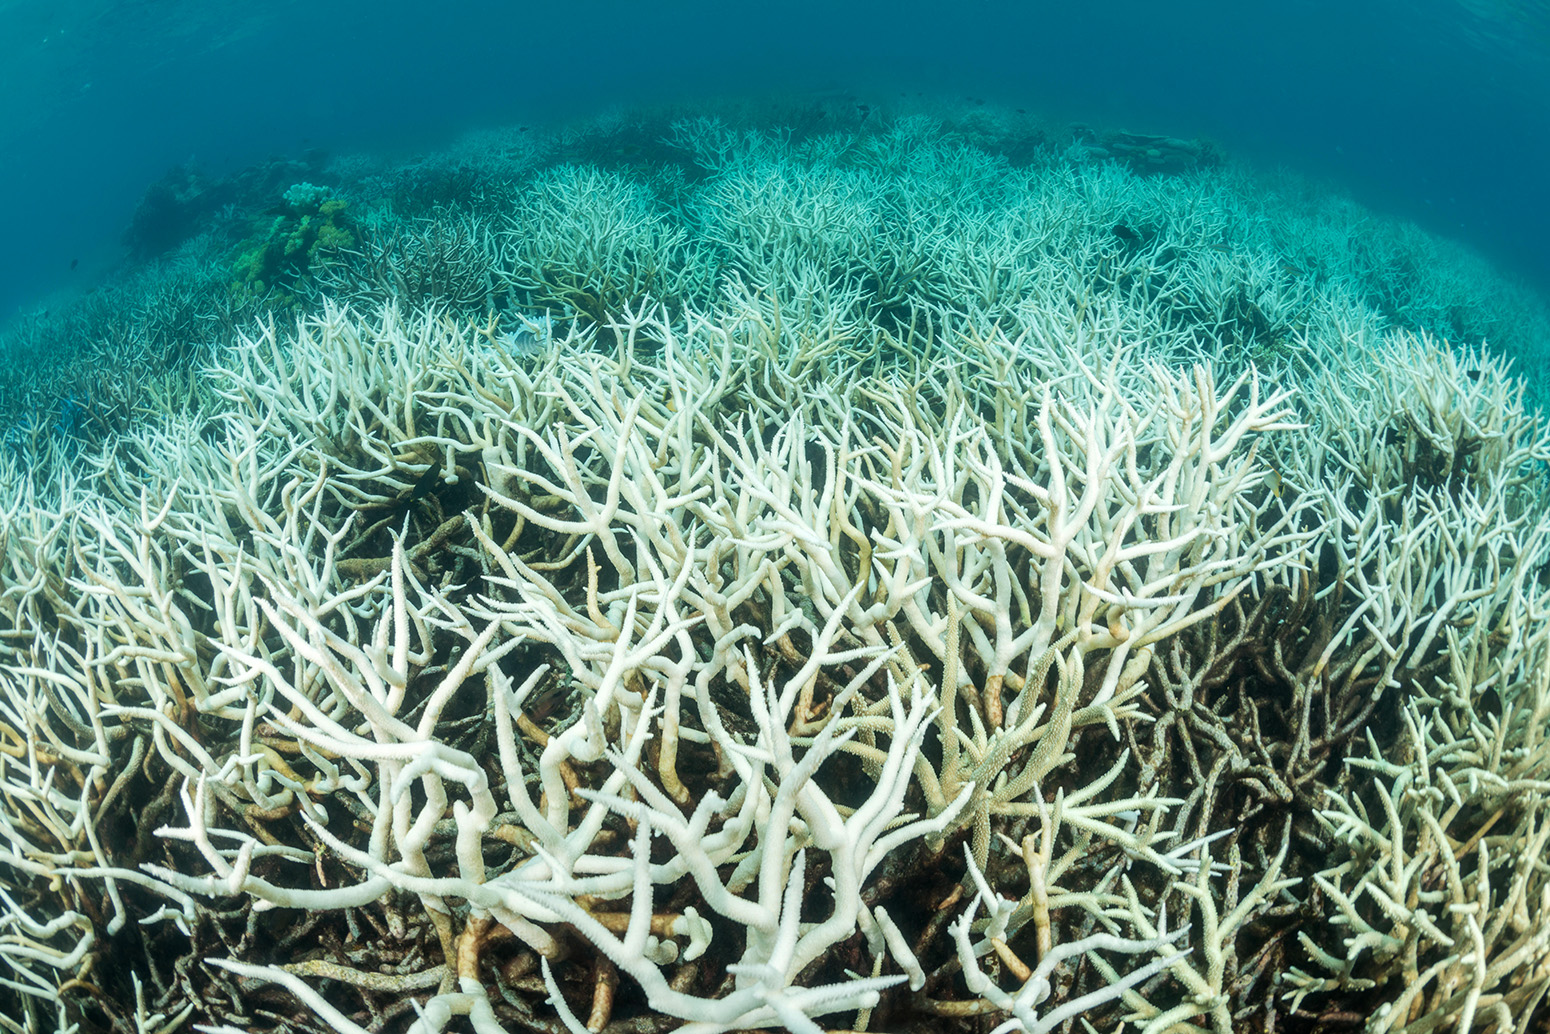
753 666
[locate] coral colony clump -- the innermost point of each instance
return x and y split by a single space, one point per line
841 580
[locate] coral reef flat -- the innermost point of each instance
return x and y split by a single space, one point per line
799 566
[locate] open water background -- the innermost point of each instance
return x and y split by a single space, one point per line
1434 110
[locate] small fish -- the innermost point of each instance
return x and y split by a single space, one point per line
547 702
73 263
534 335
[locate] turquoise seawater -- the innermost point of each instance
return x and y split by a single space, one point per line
1434 111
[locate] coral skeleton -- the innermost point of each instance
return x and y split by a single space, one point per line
761 664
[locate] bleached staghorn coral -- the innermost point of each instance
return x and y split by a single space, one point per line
322 529
740 579
1439 886
981 207
584 239
415 265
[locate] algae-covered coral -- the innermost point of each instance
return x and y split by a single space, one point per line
830 578
308 226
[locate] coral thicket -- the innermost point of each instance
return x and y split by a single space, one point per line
885 573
